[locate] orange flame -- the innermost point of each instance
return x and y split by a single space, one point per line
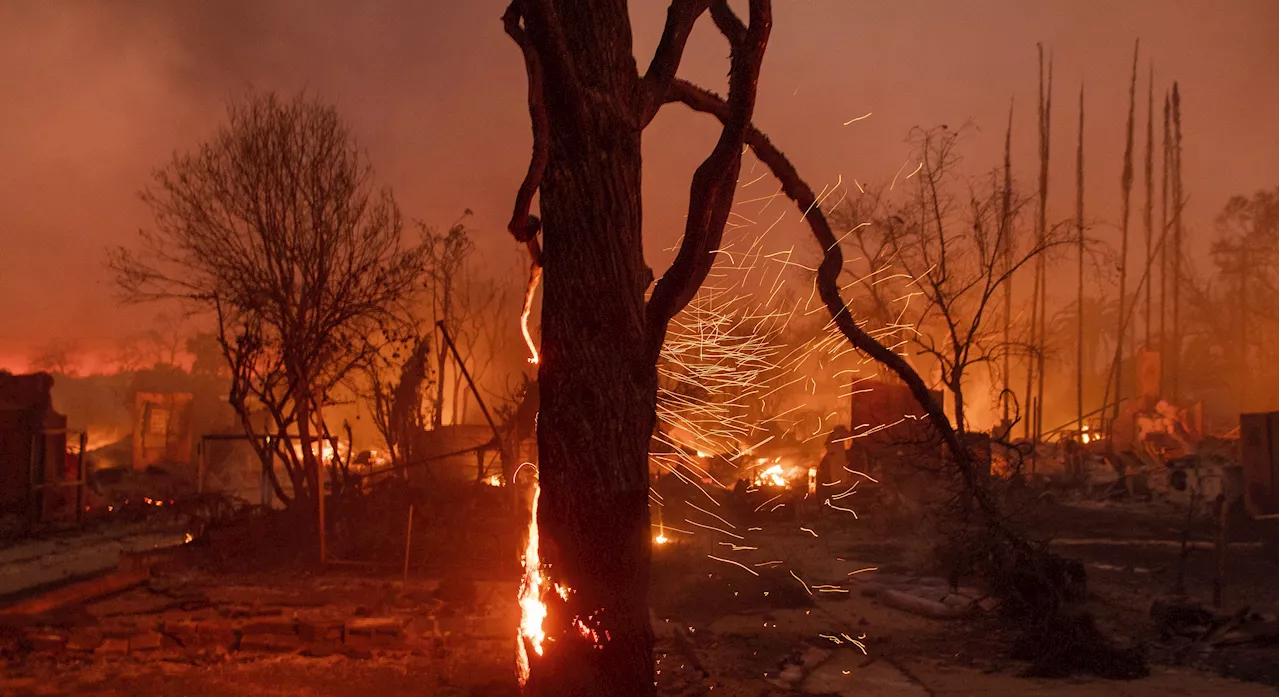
771 476
535 275
532 610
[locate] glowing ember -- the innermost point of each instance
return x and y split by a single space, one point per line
532 609
493 480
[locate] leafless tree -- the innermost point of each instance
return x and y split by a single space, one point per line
394 381
939 257
161 345
276 226
60 356
480 317
1036 584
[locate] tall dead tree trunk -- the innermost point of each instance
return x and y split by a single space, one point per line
1126 187
1006 240
1042 232
1147 215
1176 260
1080 269
1164 247
597 374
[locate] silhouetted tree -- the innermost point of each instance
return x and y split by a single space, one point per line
600 339
60 356
276 227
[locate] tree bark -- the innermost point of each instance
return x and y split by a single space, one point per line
597 375
597 388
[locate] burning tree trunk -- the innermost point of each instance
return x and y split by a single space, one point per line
600 340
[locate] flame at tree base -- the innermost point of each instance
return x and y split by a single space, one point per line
532 609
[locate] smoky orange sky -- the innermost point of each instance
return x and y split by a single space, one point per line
94 95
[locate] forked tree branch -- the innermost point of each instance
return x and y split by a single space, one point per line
681 16
728 23
715 180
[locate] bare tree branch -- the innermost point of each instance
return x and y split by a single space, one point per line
523 226
799 192
711 191
681 16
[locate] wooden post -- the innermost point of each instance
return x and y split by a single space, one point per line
35 493
408 538
1193 498
200 466
1034 416
320 508
264 485
1220 552
80 478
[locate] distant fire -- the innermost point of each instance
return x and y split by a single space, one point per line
773 475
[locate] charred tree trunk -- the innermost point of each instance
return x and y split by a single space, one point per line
597 390
1039 301
1147 217
1080 269
1006 240
1176 259
1126 186
597 375
596 385
1164 248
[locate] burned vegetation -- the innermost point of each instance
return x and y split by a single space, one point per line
950 432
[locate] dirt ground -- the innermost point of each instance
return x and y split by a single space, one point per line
205 626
